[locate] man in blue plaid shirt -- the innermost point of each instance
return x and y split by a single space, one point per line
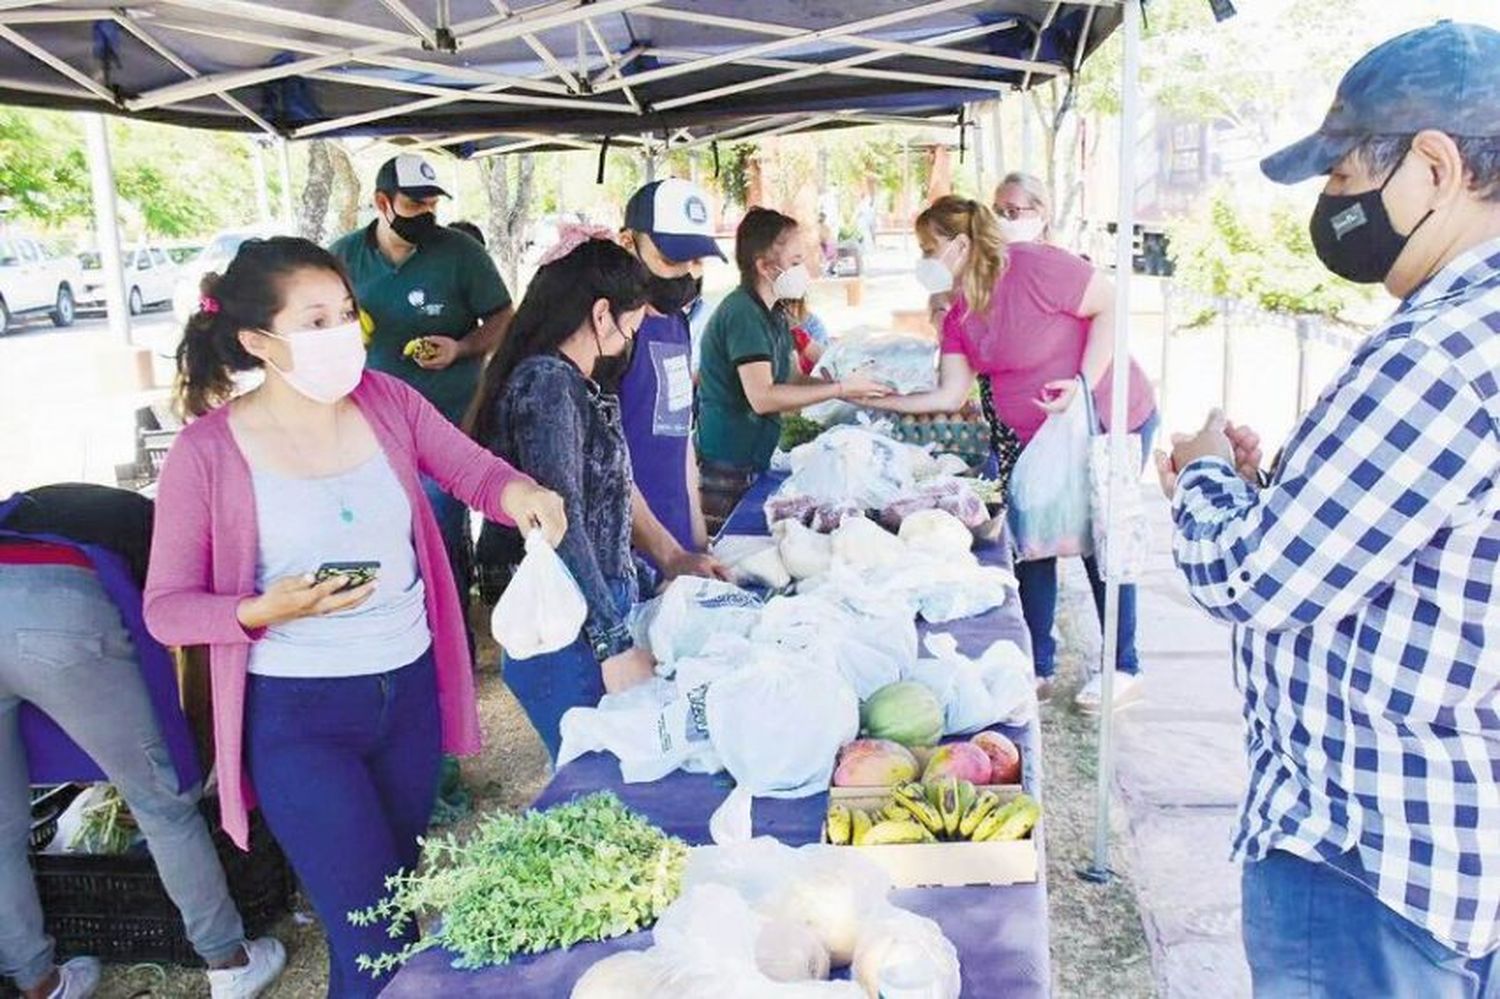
1363 576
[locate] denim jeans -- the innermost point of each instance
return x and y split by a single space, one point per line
1038 579
1312 931
64 649
346 769
453 523
548 685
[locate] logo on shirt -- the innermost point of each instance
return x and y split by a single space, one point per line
417 298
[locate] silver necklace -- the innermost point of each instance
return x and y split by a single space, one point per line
346 515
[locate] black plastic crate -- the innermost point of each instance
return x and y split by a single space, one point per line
115 907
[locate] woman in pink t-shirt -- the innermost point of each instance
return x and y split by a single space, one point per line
1032 317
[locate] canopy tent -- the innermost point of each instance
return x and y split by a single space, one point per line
491 76
476 74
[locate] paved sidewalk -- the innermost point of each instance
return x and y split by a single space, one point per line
1180 776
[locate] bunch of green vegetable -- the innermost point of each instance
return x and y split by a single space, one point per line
107 826
797 429
587 870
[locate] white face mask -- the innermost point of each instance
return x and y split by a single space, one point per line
1027 229
792 283
326 364
932 275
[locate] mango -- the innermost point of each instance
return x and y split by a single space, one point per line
874 763
958 759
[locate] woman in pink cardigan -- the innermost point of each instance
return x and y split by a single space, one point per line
333 699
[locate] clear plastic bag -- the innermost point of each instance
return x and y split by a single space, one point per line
907 363
997 688
1049 488
649 738
869 652
542 610
694 609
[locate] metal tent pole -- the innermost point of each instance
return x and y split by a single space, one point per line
106 225
1124 254
262 189
283 148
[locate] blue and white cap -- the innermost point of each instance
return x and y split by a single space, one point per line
410 174
674 213
1444 77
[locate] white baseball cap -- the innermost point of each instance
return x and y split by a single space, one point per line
410 174
674 213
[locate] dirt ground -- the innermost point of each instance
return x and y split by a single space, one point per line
1098 946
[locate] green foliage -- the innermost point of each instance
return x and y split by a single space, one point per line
734 172
1266 259
520 884
42 166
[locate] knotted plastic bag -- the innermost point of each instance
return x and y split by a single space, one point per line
542 610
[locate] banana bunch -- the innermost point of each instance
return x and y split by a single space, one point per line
420 349
949 810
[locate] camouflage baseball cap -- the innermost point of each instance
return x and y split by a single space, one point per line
1444 77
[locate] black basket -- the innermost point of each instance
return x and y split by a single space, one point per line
47 806
116 909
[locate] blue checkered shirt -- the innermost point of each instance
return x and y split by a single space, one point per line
1362 586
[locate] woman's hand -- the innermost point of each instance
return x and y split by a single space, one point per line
686 563
1057 396
862 388
626 670
295 597
531 506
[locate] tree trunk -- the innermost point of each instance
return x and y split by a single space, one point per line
346 183
312 217
509 212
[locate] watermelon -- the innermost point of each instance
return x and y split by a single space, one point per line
905 712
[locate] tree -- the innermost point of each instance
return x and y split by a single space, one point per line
509 211
346 186
312 214
42 166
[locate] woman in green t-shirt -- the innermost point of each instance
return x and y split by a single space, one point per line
747 377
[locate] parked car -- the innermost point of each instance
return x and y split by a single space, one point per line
216 255
150 278
34 280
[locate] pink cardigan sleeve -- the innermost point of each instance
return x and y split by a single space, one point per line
181 607
466 470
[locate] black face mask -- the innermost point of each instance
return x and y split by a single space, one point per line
609 369
670 296
414 229
1353 235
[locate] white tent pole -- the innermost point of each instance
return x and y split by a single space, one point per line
262 189
106 225
284 151
1120 389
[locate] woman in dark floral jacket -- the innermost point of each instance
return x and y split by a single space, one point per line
547 405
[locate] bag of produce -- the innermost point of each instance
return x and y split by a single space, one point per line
542 610
904 944
649 739
907 363
1049 488
868 651
694 609
997 688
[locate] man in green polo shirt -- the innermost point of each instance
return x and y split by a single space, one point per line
417 280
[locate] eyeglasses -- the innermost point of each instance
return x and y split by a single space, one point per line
1013 212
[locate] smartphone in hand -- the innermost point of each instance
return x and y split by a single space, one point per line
353 573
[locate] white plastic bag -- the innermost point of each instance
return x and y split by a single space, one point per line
905 362
542 610
899 940
1122 545
1049 488
870 652
692 610
997 688
753 560
777 725
649 739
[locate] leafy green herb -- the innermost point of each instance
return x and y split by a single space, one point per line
587 870
797 429
107 826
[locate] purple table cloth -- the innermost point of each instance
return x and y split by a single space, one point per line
1000 932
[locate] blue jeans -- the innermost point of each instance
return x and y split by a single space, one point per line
453 523
1038 579
1312 931
346 770
64 649
548 685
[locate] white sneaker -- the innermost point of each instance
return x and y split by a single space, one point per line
77 979
267 958
1127 688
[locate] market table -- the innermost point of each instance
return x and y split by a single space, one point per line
1000 932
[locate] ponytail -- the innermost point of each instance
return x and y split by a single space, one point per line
246 296
950 217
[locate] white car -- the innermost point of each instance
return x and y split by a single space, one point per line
150 278
32 280
215 257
